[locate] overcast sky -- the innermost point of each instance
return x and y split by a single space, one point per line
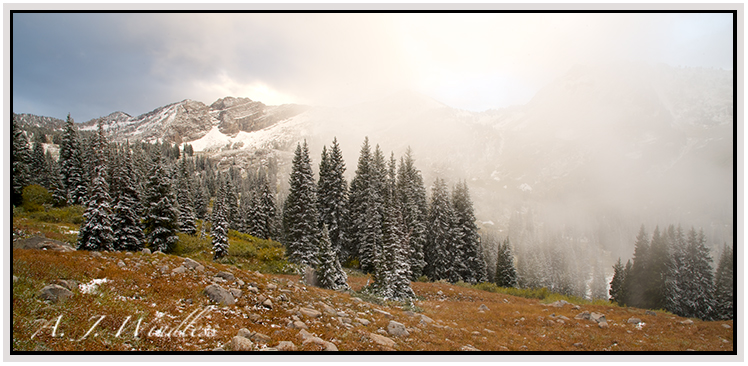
90 65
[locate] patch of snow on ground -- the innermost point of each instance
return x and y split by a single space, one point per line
92 286
264 138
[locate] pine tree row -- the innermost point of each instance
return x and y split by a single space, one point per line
673 271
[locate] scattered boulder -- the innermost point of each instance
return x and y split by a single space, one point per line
226 276
121 264
426 320
148 251
190 263
55 293
328 309
260 338
597 317
42 243
559 304
286 346
309 338
634 320
483 307
363 321
298 324
235 292
310 276
603 324
244 332
650 312
585 315
382 312
179 270
68 284
159 252
381 340
219 294
239 343
272 286
253 290
468 348
357 300
310 313
397 329
726 326
200 268
687 322
97 255
267 303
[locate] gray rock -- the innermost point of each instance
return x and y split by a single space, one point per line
260 338
468 348
200 268
55 293
382 312
603 324
219 294
298 324
121 264
585 315
219 349
272 286
328 309
235 292
241 344
381 340
357 300
310 313
726 326
253 290
483 307
148 251
239 282
244 332
597 317
42 243
397 329
285 346
310 276
650 312
71 285
179 270
97 255
190 263
559 304
426 320
164 269
687 322
226 276
15 279
159 252
634 320
363 321
268 304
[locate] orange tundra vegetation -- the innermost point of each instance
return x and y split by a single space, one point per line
170 312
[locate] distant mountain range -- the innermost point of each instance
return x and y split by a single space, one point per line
650 143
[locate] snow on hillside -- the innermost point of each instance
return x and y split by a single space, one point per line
278 134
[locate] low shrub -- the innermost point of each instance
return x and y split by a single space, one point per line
35 197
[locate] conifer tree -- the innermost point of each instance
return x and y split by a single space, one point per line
219 227
365 207
440 235
333 197
38 165
654 280
161 224
466 234
300 216
96 232
201 199
128 232
184 199
71 165
506 274
698 289
635 281
616 284
329 273
266 214
21 162
676 276
724 292
414 207
231 201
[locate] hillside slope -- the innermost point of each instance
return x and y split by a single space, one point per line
162 299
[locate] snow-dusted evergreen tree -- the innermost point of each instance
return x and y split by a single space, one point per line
599 285
724 292
71 164
636 280
391 275
656 271
616 284
506 274
332 193
697 298
473 268
21 162
128 232
300 216
247 207
96 232
414 208
38 165
676 276
56 186
219 227
260 219
440 236
161 217
329 272
365 207
184 199
231 201
201 199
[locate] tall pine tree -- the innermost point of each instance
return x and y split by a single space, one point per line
71 164
300 216
473 268
616 284
184 199
96 232
21 162
440 235
414 207
506 274
128 232
724 291
333 197
329 272
219 227
161 223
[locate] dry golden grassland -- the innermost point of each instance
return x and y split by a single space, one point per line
143 306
